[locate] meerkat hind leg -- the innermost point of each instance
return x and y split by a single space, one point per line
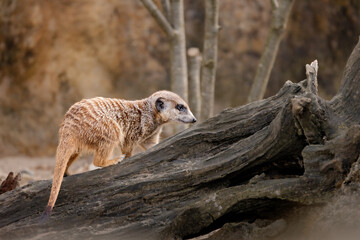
71 160
127 150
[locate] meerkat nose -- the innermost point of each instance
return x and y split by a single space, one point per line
194 120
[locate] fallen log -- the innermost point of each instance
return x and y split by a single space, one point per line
253 162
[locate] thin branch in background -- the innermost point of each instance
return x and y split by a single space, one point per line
280 14
159 17
166 8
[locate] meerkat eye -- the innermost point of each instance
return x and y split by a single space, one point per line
180 107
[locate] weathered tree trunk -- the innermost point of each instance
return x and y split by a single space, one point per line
253 162
280 14
194 81
208 70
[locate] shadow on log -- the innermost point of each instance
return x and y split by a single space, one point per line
252 163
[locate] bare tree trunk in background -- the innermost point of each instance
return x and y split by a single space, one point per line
194 81
179 82
175 32
280 14
208 69
178 64
174 27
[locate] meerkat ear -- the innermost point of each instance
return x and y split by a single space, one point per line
159 105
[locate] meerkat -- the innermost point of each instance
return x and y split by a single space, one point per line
99 124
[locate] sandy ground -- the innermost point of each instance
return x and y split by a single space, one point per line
39 168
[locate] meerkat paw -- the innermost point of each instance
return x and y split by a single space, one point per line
115 160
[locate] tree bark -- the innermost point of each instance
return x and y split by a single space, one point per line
208 70
257 161
194 81
280 14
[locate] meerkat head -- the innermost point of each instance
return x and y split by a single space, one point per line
171 107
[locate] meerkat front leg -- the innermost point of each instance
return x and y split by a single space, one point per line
151 141
127 150
102 156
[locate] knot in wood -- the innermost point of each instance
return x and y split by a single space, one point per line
298 104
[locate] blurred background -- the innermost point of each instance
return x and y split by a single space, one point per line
54 53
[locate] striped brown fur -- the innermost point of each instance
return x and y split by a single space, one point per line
100 124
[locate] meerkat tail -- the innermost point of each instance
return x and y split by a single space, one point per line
63 154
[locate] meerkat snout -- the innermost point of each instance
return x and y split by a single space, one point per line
184 115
